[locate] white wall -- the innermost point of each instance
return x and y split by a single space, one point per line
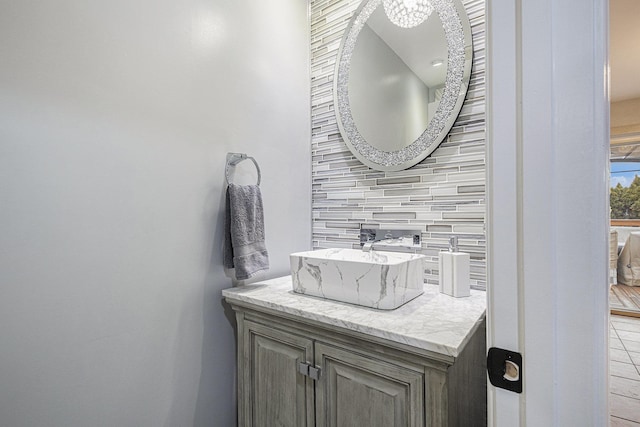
115 118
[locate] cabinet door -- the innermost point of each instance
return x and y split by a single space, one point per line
355 390
272 392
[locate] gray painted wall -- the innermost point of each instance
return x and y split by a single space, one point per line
444 195
115 118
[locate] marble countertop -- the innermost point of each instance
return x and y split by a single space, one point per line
434 322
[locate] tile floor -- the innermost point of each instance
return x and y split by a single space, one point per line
624 369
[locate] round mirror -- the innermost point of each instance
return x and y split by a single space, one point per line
399 90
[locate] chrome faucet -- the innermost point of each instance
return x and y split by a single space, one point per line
371 241
396 240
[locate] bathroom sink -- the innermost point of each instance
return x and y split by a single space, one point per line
376 279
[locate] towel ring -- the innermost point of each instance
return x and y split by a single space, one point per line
233 159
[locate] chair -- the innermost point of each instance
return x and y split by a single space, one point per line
629 261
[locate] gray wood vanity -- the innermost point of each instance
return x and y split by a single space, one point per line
306 361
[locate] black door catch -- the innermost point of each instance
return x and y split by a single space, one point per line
505 369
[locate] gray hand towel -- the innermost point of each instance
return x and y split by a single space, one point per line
244 247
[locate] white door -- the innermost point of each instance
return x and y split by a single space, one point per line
547 225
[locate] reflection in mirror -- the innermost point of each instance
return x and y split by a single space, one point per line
395 86
399 90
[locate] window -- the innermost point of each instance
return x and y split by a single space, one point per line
625 190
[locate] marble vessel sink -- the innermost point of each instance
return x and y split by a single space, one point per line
376 279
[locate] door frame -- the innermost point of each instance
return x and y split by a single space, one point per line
547 210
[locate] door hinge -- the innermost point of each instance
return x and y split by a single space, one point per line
309 371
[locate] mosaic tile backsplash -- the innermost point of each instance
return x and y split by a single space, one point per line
443 196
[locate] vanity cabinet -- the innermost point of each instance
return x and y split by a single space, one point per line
271 391
297 372
356 390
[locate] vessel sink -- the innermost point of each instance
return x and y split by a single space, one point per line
377 279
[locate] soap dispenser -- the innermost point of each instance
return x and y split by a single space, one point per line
454 271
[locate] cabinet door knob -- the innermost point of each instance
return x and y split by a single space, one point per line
303 368
309 371
314 373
